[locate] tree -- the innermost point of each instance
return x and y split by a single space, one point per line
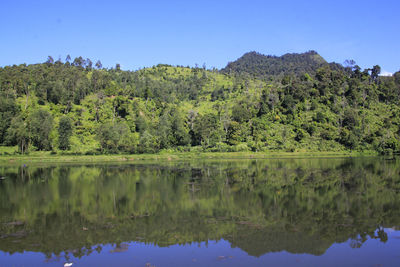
164 131
40 126
349 63
180 132
116 136
206 130
396 76
264 108
78 62
243 111
50 60
64 133
18 134
148 143
98 64
273 99
350 119
375 71
109 135
234 135
89 64
8 110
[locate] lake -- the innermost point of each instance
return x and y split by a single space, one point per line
265 212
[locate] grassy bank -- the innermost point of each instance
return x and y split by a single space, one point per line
42 157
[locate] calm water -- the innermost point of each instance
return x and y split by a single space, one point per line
281 212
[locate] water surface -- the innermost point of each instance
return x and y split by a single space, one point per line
292 212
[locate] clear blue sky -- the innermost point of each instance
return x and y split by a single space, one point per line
144 33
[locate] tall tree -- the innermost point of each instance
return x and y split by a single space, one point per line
8 110
376 70
40 126
18 134
64 133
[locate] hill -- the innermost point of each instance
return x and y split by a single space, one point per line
261 65
75 107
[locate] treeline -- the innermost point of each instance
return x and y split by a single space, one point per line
80 107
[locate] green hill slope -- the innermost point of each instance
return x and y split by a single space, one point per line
305 104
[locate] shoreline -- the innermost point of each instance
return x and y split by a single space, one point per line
46 157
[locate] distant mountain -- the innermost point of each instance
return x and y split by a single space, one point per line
262 65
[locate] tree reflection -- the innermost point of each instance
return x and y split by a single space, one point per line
260 206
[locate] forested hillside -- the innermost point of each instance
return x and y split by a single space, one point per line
297 102
261 65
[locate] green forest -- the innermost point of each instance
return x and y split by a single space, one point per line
295 102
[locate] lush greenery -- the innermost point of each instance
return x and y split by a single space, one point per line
260 65
260 206
297 102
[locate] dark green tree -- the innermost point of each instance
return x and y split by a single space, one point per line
17 134
206 130
64 133
376 70
116 136
40 126
8 110
98 64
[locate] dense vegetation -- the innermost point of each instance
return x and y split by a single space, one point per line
297 102
260 65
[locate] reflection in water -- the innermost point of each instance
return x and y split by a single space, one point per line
259 206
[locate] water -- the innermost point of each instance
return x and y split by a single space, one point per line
277 212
